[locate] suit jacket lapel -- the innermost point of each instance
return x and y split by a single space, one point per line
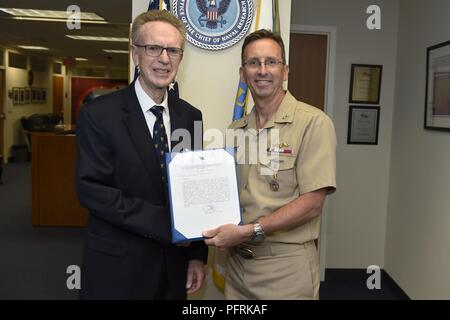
176 120
137 127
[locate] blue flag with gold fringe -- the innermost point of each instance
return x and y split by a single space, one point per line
240 101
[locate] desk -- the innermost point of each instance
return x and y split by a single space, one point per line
54 201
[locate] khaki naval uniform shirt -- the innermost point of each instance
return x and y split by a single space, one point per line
302 160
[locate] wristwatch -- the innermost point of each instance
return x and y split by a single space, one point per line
258 232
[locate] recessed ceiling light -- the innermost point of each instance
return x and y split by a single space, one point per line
95 38
115 51
32 47
51 15
81 59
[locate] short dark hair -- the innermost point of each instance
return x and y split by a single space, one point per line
156 15
264 34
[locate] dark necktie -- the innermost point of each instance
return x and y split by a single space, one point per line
160 140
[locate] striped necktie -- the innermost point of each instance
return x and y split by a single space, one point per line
160 140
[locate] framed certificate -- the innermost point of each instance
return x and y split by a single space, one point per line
203 192
35 95
43 95
437 96
365 83
363 125
16 95
21 95
27 95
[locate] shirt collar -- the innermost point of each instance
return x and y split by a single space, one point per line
286 111
284 114
146 102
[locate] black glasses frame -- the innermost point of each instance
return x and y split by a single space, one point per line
171 51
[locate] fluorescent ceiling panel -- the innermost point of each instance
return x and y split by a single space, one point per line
95 38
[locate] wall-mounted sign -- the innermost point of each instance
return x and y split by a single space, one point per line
214 24
363 124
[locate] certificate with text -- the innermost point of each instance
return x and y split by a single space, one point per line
203 192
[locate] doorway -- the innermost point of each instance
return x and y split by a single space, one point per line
58 95
2 114
307 67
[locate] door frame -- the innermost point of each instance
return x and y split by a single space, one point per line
53 92
3 102
330 32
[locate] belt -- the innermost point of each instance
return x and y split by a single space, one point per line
248 251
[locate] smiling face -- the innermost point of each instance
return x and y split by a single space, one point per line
264 82
156 73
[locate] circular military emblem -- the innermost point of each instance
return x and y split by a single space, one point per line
214 24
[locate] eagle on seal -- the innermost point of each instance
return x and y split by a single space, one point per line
211 12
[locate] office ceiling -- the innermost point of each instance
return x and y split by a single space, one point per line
52 34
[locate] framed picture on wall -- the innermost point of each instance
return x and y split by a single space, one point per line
35 95
363 124
15 96
27 95
43 95
437 96
21 95
365 83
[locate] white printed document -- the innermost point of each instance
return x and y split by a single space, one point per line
203 192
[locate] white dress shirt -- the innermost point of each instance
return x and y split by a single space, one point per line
146 103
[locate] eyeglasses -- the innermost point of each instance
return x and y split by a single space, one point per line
269 63
154 50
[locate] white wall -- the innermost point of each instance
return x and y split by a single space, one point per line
356 221
418 237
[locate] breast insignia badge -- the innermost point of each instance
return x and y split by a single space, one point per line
274 186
